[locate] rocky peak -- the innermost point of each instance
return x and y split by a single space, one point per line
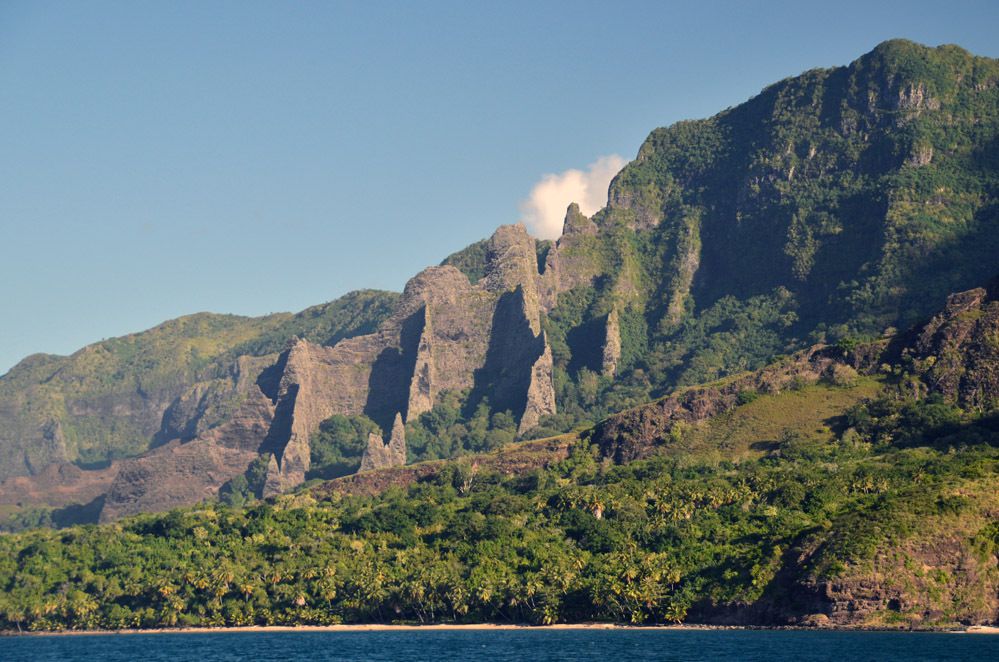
441 285
446 334
540 399
612 345
511 263
298 385
576 223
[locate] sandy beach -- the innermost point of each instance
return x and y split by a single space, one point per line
982 629
375 627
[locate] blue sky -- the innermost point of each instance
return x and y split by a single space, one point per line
164 158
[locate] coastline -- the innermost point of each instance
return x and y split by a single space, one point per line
444 627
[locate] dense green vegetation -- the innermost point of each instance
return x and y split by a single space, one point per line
353 314
584 539
337 447
836 204
834 207
449 430
470 261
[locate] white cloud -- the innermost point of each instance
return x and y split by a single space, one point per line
543 211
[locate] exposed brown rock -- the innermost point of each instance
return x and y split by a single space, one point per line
513 264
381 455
208 404
304 401
540 391
57 485
239 438
422 389
273 483
446 334
901 580
454 337
173 476
180 474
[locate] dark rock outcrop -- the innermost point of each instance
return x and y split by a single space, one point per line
957 352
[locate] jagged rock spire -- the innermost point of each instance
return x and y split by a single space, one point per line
576 223
612 345
540 390
422 387
381 455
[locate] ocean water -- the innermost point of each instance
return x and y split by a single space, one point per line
498 646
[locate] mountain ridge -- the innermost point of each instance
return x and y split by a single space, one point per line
841 203
825 508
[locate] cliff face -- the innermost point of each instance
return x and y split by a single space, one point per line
115 397
179 474
839 203
446 334
124 396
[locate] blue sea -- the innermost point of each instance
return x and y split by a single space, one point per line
497 646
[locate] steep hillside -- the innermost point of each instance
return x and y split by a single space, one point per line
838 203
834 207
122 396
847 486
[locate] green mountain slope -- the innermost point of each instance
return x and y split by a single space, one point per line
109 399
839 203
836 206
847 486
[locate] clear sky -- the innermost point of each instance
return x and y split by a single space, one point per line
164 158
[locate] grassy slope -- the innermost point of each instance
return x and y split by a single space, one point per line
755 428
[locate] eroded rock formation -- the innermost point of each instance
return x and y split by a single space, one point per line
447 334
612 345
182 473
571 262
540 390
382 455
